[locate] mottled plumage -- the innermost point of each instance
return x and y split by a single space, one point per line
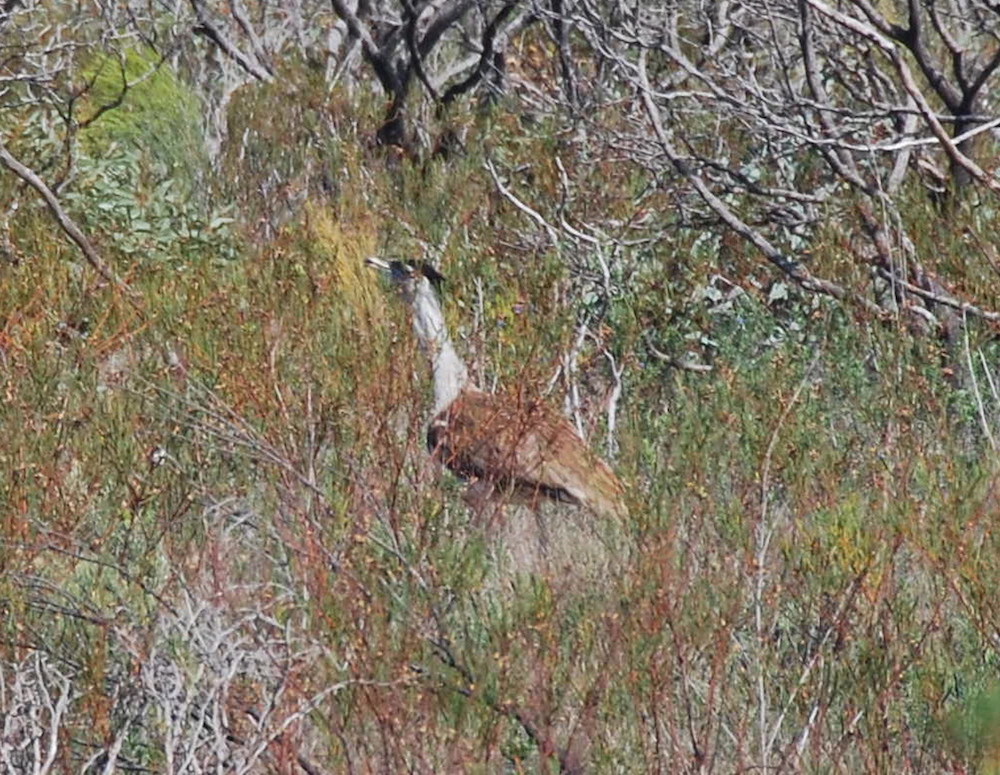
524 449
519 448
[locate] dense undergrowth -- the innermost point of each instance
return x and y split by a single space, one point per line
224 547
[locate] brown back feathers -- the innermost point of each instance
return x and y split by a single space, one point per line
524 447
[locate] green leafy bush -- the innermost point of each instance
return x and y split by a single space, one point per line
136 101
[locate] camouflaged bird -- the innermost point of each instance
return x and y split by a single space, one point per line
513 448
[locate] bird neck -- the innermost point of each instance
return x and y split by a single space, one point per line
450 374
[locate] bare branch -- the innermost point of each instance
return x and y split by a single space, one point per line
906 78
449 13
380 64
524 208
236 7
939 298
793 269
677 363
62 218
210 30
489 50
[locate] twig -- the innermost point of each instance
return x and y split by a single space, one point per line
239 15
524 208
503 708
976 392
616 394
700 368
793 269
209 30
948 301
62 217
489 51
763 532
910 85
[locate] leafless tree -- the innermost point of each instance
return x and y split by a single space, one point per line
772 115
448 48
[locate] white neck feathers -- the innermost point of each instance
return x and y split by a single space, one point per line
450 374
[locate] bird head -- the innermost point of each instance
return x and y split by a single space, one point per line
409 277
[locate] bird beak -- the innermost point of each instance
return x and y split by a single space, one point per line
377 263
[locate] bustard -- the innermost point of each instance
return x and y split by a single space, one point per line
513 448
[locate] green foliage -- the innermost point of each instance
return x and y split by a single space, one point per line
136 101
147 217
139 180
976 728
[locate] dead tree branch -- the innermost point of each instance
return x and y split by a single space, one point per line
67 224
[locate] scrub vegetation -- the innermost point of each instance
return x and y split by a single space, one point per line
223 546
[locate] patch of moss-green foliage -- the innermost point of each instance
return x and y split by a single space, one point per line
136 100
141 177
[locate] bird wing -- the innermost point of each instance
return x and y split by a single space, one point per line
524 445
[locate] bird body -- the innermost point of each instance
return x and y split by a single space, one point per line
524 449
521 449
